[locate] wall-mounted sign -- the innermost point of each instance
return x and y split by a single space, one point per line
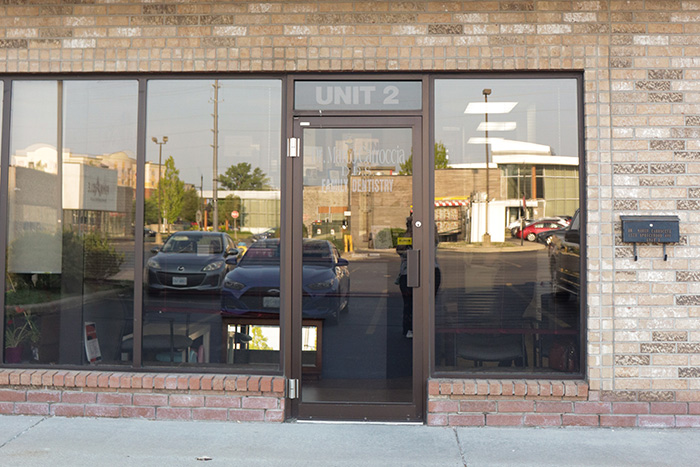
357 95
650 229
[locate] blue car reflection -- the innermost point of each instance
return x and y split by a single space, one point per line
253 287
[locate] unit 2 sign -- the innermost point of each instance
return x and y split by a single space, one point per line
357 95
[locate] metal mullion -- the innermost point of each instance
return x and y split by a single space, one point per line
4 180
139 214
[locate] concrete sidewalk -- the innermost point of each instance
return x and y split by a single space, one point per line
39 441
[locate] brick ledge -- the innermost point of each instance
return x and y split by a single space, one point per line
490 388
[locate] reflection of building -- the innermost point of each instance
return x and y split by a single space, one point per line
259 210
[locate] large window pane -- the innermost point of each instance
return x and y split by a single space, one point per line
197 232
507 171
70 262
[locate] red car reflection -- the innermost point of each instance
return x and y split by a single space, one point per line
531 230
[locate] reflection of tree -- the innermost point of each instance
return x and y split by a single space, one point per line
259 341
441 160
239 177
228 204
172 191
190 205
150 213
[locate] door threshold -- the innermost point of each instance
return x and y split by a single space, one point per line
356 422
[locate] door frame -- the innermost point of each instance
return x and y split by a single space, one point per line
422 237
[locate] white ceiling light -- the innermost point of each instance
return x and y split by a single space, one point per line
482 140
496 126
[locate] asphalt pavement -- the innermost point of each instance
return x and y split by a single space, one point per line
57 441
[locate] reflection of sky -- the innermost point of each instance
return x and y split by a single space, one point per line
546 114
99 117
249 126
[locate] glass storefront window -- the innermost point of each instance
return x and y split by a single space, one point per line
70 252
506 190
199 232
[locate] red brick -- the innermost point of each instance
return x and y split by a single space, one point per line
210 414
254 384
433 387
11 395
230 383
443 406
205 382
80 380
114 380
91 380
469 387
159 382
532 419
177 400
437 419
618 420
274 415
246 415
103 380
694 408
545 388
519 387
582 388
516 406
47 378
24 408
278 385
570 389
466 420
125 381
554 407
495 388
43 396
446 388
111 411
497 419
507 388
68 410
194 383
4 378
259 403
233 402
217 383
169 413
657 421
114 399
139 412
242 383
533 388
458 387
687 421
630 407
157 400
266 384
78 397
482 388
592 407
171 382
7 408
68 379
36 377
149 381
477 406
579 420
15 377
137 381
183 382
672 408
25 378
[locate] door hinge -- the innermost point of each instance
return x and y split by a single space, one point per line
292 147
293 388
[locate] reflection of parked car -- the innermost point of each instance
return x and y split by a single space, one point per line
148 233
566 258
253 287
191 261
270 233
515 225
531 230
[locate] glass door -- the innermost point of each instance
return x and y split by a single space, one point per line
356 267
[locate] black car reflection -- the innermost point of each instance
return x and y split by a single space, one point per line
253 287
191 261
565 259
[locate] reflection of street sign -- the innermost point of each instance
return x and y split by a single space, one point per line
234 214
198 216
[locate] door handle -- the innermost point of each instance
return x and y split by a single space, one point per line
413 268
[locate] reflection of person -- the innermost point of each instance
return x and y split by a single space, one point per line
402 279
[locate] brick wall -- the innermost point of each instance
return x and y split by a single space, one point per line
142 395
642 119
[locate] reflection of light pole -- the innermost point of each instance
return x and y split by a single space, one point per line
160 158
487 237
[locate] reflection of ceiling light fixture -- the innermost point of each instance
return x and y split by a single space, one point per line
496 126
489 107
482 140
